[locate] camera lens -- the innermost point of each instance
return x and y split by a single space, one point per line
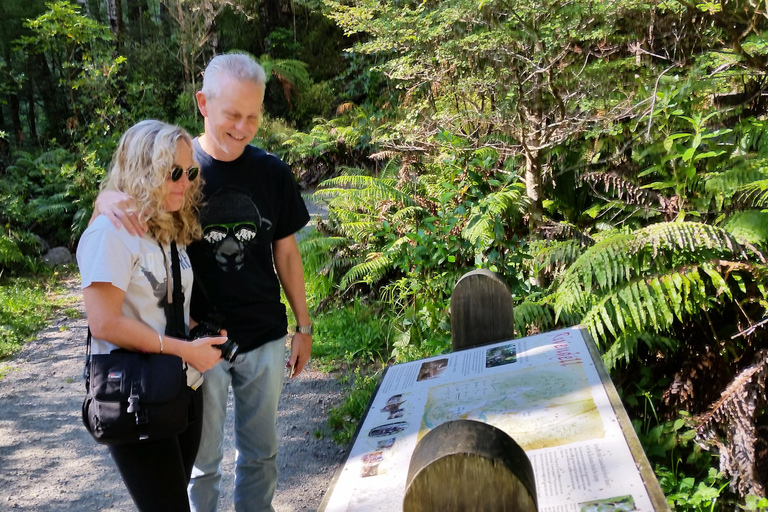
229 350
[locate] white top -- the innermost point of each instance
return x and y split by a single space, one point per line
136 265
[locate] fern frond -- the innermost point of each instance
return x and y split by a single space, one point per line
620 187
559 230
359 231
384 155
535 316
369 271
363 189
754 195
407 213
625 346
321 244
722 185
729 425
391 168
646 303
554 257
651 250
750 227
503 204
9 251
350 181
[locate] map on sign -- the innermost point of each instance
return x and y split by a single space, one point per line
529 405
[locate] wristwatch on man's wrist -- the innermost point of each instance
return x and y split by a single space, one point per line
304 329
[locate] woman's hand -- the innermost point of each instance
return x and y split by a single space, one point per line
202 353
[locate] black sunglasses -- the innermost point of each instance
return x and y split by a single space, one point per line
177 171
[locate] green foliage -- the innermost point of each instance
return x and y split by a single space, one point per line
344 418
79 51
9 251
51 193
749 227
631 283
531 316
756 503
25 306
355 333
685 471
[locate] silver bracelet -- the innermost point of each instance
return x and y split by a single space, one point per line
160 337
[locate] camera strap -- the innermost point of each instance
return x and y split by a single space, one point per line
174 309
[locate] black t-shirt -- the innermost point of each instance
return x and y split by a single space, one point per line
249 203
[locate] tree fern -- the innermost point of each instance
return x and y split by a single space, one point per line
630 285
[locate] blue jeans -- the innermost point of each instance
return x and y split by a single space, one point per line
256 378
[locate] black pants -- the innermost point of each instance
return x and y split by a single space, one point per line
156 473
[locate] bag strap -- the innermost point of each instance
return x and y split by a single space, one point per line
87 366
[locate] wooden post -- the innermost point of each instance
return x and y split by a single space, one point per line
481 310
470 466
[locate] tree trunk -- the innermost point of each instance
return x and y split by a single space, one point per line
84 5
115 16
136 10
54 103
31 111
533 189
13 102
183 38
120 24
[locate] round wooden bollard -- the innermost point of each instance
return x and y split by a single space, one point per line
467 465
481 310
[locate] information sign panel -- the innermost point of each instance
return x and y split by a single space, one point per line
549 392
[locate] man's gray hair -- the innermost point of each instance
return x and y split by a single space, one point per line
240 66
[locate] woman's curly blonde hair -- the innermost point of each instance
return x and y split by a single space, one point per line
141 166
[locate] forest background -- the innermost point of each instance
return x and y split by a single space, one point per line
607 158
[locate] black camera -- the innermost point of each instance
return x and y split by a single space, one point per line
229 349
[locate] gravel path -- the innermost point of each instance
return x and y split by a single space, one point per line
48 462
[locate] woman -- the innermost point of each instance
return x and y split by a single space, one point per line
125 282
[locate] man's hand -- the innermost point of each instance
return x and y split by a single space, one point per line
301 350
120 209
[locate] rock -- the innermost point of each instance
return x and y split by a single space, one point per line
57 256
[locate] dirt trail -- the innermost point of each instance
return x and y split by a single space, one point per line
48 462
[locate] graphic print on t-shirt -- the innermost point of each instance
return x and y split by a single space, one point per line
159 289
230 223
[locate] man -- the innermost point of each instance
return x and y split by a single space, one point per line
252 210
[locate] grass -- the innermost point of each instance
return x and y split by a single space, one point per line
26 305
352 333
343 419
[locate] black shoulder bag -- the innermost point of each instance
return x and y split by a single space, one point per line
131 396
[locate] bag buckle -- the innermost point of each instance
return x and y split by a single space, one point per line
133 404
